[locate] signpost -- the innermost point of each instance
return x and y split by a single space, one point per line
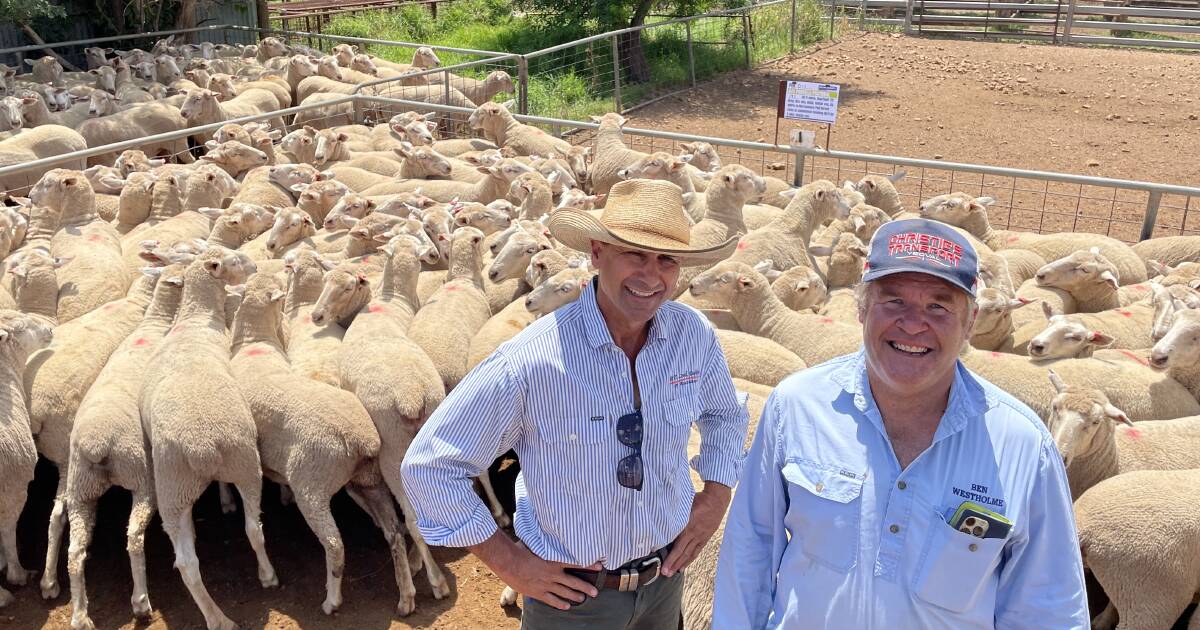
805 100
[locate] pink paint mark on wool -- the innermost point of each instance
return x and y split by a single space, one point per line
95 238
110 306
366 259
376 308
307 319
1135 357
1014 238
994 354
255 352
451 287
741 245
1125 313
1139 286
1133 433
826 320
140 342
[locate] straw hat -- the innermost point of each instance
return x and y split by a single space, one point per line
644 214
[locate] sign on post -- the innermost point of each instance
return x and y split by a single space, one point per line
804 100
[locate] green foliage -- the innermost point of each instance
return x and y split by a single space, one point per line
29 10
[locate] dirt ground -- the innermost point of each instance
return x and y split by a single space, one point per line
1120 113
1133 113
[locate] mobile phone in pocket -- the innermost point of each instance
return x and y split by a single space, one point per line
978 521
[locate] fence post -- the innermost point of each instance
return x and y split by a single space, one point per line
264 14
792 36
746 36
446 88
1151 215
616 61
798 174
832 11
691 53
358 108
908 16
522 85
862 16
1066 37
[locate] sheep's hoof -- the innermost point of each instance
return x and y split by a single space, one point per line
141 606
502 520
82 622
224 623
18 576
329 607
49 589
270 581
441 589
408 603
508 597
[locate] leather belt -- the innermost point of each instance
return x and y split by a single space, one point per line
632 576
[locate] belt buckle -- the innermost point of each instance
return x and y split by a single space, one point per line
657 562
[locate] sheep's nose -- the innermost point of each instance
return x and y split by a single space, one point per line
492 274
528 302
1158 360
1036 348
271 245
317 318
1041 275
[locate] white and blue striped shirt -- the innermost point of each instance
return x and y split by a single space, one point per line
553 394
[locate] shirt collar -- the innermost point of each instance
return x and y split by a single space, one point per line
595 327
968 398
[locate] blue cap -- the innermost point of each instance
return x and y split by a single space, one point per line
922 246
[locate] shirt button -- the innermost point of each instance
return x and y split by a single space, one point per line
901 485
820 487
973 547
895 529
640 504
572 436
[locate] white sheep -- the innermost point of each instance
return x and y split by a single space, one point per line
312 347
20 335
880 191
993 329
1079 335
1178 351
1088 276
108 448
194 442
757 359
147 119
34 144
785 239
499 126
201 107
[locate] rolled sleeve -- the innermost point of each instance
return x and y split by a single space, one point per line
722 423
477 422
1041 585
755 538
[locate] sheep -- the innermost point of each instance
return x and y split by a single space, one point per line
846 257
445 324
863 221
95 274
144 120
785 239
311 347
799 288
46 70
1138 536
1168 250
398 402
318 198
233 157
418 130
514 256
238 224
1178 351
880 191
107 447
499 126
34 144
610 153
290 229
315 438
535 195
20 336
492 187
993 329
663 165
757 359
1023 264
970 213
201 107
1088 276
1078 335
56 379
194 442
759 311
35 284
35 112
488 219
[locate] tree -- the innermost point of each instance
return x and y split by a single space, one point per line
23 12
613 15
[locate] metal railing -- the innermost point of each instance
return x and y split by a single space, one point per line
1037 201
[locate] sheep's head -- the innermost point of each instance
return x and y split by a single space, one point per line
233 156
994 311
105 77
288 175
657 165
252 219
466 248
576 198
230 266
544 264
46 70
327 67
12 115
725 280
34 270
500 81
1066 337
328 143
290 225
799 288
21 335
845 260
425 57
300 143
196 103
222 85
825 200
1080 270
506 170
347 211
1180 345
562 288
513 258
59 185
362 63
418 132
610 119
865 220
958 209
425 160
105 179
744 181
488 115
704 155
317 198
302 66
101 103
525 184
261 301
231 131
135 161
344 291
166 70
344 54
487 220
439 226
271 47
1081 419
425 250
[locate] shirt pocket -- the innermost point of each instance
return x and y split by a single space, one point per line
825 505
572 432
956 567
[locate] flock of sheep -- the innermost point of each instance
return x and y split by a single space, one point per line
331 284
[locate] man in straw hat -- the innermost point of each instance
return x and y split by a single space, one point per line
597 400
893 488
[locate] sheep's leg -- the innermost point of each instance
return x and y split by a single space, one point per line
10 512
415 562
1107 619
320 520
180 529
252 505
437 580
498 512
227 504
139 519
58 521
81 512
378 503
6 597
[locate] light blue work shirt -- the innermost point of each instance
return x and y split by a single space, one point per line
826 531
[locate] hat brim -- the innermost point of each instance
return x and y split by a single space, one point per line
577 228
876 275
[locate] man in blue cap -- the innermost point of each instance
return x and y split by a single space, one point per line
893 488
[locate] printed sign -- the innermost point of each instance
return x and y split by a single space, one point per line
802 100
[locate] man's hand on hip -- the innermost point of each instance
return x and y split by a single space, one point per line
531 576
708 508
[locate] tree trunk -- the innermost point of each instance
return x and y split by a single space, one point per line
632 55
186 19
37 39
117 9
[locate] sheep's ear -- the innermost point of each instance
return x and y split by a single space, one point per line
763 266
820 250
152 272
858 222
745 282
211 144
1046 310
17 270
1094 250
510 104
1056 380
789 193
327 265
1116 415
236 289
1018 302
1111 279
212 213
1098 338
1159 268
299 188
859 249
61 261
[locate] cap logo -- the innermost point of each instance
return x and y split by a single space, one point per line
926 248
